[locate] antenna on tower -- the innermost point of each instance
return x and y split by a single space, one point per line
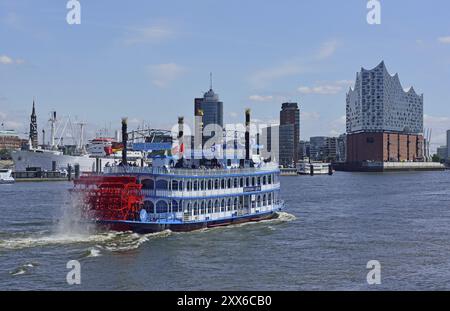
210 81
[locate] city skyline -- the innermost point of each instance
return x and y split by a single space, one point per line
150 63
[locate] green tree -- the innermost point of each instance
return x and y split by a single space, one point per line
436 158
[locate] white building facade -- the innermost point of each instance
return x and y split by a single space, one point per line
378 103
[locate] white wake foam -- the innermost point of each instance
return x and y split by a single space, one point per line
111 241
23 269
282 218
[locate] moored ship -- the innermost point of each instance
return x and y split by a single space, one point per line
6 176
54 156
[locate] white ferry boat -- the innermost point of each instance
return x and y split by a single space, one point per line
182 195
314 168
6 176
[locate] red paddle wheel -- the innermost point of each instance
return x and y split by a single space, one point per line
110 197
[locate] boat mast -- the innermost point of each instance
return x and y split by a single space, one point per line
52 129
81 145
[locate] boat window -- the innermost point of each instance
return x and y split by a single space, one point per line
259 181
235 206
162 184
161 207
264 179
264 200
222 206
202 185
189 185
189 207
229 183
270 179
229 206
216 184
210 207
148 184
253 181
175 206
270 199
203 210
216 206
195 185
247 182
258 200
222 184
149 207
235 183
241 182
209 184
174 185
195 208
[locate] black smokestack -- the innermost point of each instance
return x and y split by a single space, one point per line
257 143
180 127
247 134
124 141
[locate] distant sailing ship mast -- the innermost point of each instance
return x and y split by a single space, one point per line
52 129
81 145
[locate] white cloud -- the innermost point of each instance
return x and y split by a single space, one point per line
322 89
309 116
328 49
163 74
7 60
264 77
150 34
326 88
261 98
444 40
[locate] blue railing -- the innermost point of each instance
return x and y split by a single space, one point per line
186 172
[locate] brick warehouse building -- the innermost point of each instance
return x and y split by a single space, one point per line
384 122
384 147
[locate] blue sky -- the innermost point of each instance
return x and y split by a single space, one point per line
148 59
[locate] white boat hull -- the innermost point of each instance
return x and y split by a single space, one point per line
24 159
6 177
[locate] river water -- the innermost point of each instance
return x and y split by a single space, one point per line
332 226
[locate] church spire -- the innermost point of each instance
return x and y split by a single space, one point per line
33 128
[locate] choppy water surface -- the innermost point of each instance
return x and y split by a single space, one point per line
331 228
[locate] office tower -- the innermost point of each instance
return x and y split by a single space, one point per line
289 134
211 109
